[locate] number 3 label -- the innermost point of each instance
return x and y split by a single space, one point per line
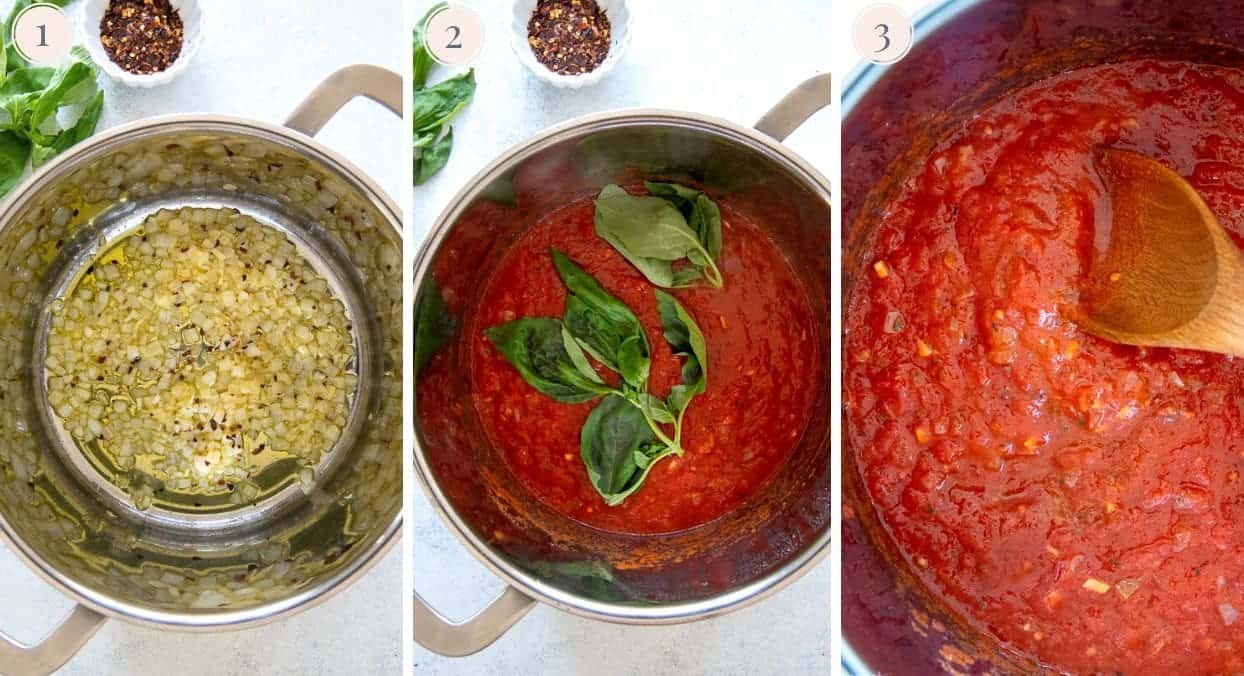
455 35
883 33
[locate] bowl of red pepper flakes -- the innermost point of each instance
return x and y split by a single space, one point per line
141 43
570 43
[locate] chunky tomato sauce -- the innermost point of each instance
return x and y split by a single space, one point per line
763 366
1079 500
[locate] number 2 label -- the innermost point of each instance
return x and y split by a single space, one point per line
455 35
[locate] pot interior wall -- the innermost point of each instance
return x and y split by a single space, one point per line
153 572
792 511
988 50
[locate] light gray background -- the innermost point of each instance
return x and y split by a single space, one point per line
258 60
732 60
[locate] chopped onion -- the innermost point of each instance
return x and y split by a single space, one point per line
1095 585
1229 613
1126 588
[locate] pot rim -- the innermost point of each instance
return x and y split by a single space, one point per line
674 613
204 621
927 20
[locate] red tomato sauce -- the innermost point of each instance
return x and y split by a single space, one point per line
1079 500
762 348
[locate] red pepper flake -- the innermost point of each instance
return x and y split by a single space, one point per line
570 37
141 36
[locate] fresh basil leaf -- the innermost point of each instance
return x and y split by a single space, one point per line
605 327
83 128
680 196
651 233
687 341
14 151
652 407
436 105
72 84
588 578
577 357
18 93
433 157
434 325
423 62
536 348
706 221
701 212
618 449
648 227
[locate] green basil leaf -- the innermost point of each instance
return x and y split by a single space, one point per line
604 325
648 227
73 84
650 406
14 151
680 196
706 221
577 357
687 341
423 62
434 325
436 105
701 212
433 157
536 348
650 232
18 93
83 128
618 450
686 276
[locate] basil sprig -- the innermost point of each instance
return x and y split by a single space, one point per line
603 325
623 437
434 106
653 232
618 449
434 325
685 338
548 359
35 99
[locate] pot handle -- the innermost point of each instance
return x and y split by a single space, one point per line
459 639
378 84
796 107
54 650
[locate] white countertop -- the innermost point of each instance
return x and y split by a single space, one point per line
258 60
732 60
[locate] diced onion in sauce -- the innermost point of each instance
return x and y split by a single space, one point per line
1095 585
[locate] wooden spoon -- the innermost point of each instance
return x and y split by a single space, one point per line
1164 272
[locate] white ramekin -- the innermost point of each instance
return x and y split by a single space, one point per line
620 36
192 25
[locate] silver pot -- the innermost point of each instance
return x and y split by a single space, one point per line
200 566
967 53
747 555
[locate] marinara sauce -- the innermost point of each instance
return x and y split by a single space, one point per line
1079 500
763 366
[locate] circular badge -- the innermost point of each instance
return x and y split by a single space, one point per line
454 36
883 33
42 33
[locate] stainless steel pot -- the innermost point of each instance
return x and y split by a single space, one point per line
966 54
747 555
200 566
